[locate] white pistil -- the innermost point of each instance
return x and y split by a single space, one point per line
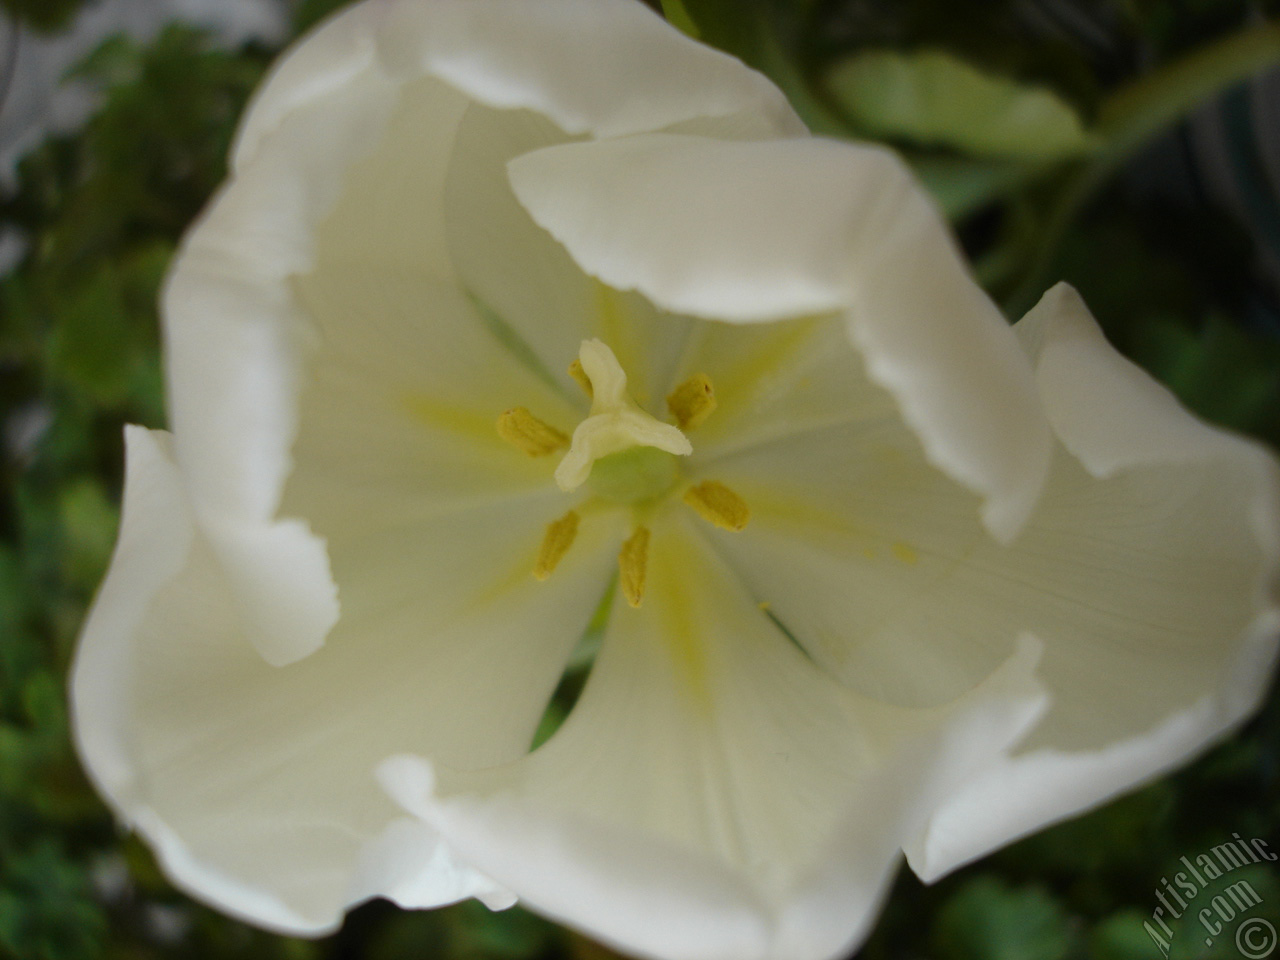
615 422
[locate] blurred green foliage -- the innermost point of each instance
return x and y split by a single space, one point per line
42 15
933 98
1037 137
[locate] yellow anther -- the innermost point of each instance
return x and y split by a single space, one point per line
717 504
555 544
632 562
692 401
580 377
522 429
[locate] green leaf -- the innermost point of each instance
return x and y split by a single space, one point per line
961 185
1135 113
513 934
1122 937
86 347
115 61
1220 371
734 26
46 907
466 931
989 920
752 32
678 17
89 522
1119 836
1206 929
934 98
308 13
1130 117
44 15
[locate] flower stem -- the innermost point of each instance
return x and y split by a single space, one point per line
1144 108
1134 114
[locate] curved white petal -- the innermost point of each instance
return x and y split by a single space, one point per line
714 777
851 530
778 229
345 171
254 783
519 277
855 541
333 55
409 865
232 326
937 749
777 380
1168 537
591 66
155 538
233 345
343 328
521 280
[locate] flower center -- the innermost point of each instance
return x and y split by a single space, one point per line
633 476
617 430
624 456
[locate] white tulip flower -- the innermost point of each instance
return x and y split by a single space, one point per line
514 308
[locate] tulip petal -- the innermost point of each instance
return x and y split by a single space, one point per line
712 776
588 65
1172 526
232 328
853 532
328 259
777 380
254 783
523 277
1148 570
420 173
335 54
748 232
233 331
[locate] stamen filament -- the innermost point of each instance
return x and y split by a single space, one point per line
692 402
632 563
717 504
555 544
523 430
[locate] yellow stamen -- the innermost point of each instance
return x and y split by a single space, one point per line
631 564
580 377
555 544
906 554
716 503
692 401
522 429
